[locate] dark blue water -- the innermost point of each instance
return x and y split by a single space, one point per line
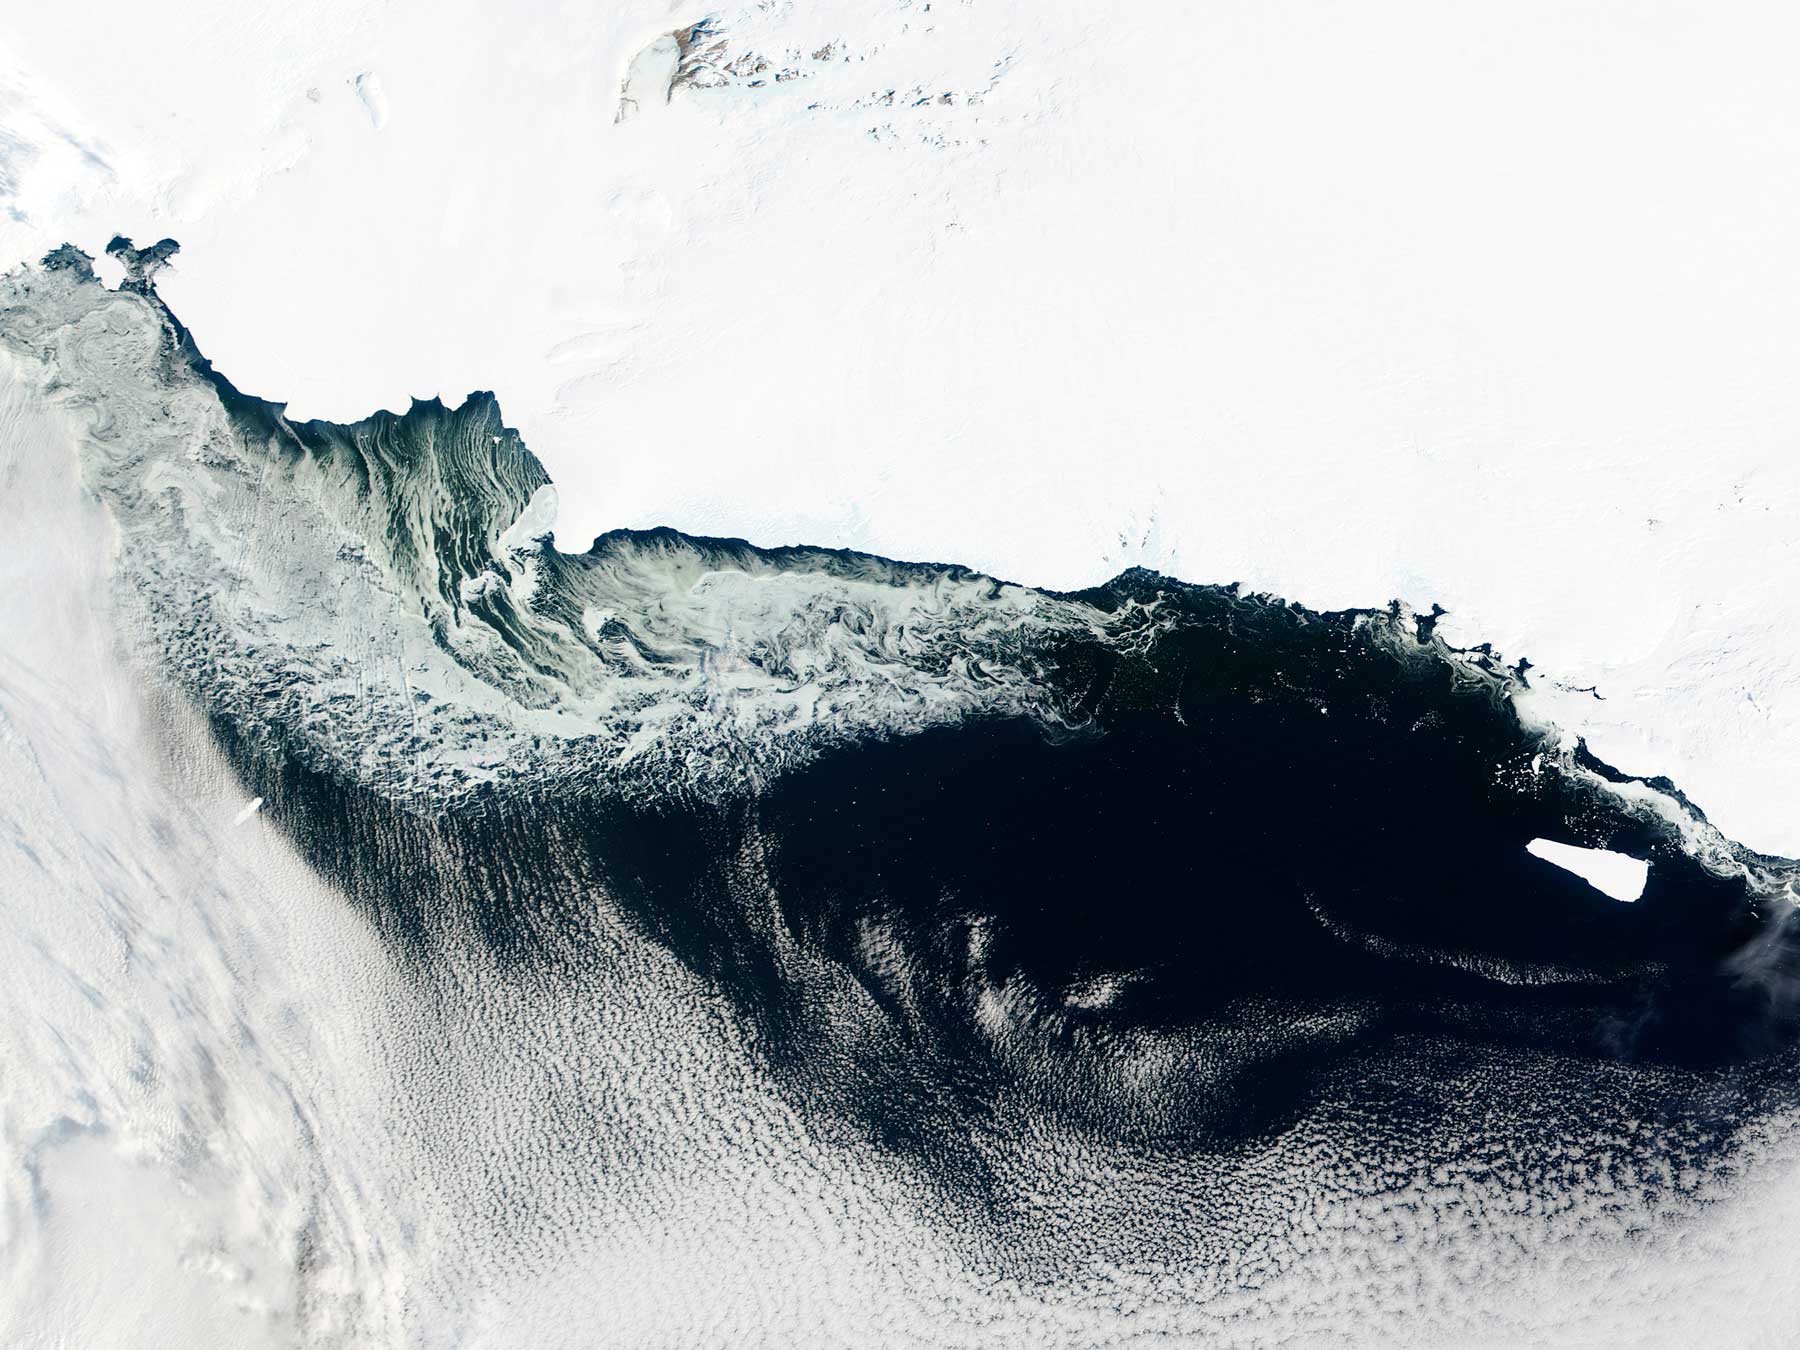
1287 848
1298 837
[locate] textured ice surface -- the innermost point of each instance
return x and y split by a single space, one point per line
1455 306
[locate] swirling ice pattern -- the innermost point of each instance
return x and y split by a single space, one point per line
313 579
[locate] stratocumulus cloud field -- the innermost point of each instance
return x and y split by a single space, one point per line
424 935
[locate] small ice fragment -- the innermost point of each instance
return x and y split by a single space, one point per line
373 97
251 807
1611 873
